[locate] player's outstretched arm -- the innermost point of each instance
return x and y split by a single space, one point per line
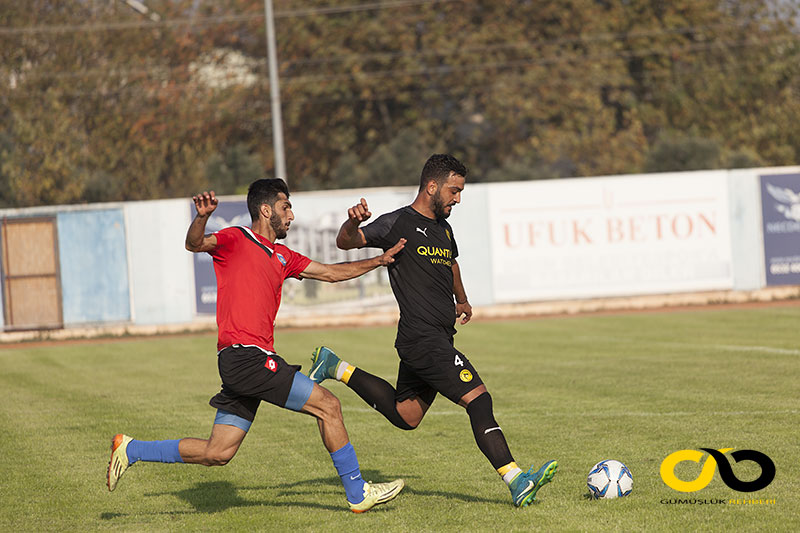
345 271
462 304
196 240
350 236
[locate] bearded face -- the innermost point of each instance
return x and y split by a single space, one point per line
440 210
447 195
278 226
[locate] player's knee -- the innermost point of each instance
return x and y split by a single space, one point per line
480 411
408 426
407 415
218 457
331 407
404 423
217 460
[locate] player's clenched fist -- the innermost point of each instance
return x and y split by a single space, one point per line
205 203
359 212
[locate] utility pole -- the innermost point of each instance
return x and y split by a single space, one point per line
143 9
275 95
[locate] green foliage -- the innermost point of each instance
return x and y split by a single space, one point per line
673 153
744 158
100 103
6 149
233 171
532 168
394 163
633 387
102 187
683 153
49 147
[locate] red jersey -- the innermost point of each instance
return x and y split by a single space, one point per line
250 272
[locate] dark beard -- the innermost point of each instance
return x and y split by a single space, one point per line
276 224
438 207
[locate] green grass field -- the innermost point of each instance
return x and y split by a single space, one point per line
633 387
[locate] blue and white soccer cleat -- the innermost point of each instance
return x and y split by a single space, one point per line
323 364
524 487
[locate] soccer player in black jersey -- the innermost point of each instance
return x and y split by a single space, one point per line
425 278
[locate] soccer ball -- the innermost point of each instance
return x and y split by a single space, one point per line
609 479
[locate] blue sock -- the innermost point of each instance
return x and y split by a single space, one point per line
154 451
346 463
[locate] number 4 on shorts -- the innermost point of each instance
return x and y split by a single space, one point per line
458 361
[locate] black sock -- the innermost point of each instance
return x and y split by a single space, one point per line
378 394
487 433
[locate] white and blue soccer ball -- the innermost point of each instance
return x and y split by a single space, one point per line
609 479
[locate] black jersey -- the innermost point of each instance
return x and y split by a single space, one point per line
422 273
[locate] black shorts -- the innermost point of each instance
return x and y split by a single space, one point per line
433 365
250 375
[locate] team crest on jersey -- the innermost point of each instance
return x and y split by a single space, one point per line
271 364
281 259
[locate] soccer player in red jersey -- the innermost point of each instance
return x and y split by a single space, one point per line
250 269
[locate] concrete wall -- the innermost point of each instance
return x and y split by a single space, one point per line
472 230
518 242
610 236
162 279
746 242
94 267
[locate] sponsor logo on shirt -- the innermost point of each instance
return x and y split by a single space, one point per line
437 256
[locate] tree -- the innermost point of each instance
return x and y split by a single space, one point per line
232 171
397 162
672 154
99 103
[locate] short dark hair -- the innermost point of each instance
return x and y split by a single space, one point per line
438 168
264 191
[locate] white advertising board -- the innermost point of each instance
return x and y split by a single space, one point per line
319 215
162 284
615 236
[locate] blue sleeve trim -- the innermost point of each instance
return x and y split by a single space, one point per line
229 419
300 392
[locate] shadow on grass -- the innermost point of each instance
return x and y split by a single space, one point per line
469 498
216 496
290 488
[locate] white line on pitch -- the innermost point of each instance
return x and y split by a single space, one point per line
607 414
673 344
604 414
766 349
